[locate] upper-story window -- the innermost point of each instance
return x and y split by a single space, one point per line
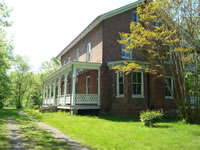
138 84
69 59
77 54
89 48
125 53
169 92
135 17
155 24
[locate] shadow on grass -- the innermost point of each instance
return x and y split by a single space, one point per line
37 138
33 136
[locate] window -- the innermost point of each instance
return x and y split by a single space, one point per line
77 54
89 47
168 93
137 84
155 24
125 53
168 55
87 84
69 59
135 17
120 84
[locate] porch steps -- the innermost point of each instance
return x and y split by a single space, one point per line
49 108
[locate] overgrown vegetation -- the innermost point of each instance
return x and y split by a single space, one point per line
108 132
167 35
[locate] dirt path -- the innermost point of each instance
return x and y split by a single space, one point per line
15 136
74 145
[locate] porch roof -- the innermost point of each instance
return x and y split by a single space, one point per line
69 66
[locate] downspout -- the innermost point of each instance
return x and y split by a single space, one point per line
148 91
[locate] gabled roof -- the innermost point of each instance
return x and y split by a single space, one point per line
97 21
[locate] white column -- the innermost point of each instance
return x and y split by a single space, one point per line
59 87
47 94
73 86
50 91
65 87
44 91
54 92
99 85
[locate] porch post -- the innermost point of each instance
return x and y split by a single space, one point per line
65 87
47 94
50 96
54 92
44 90
59 87
73 86
99 85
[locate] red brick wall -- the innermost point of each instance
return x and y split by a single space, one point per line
95 37
81 86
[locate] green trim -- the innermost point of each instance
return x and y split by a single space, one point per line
114 63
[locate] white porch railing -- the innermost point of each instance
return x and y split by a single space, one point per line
79 99
64 100
48 101
86 99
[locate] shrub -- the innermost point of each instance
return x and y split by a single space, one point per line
150 117
36 107
1 105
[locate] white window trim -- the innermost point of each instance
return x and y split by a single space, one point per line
156 24
119 95
137 17
172 88
88 56
142 87
77 54
124 57
69 59
87 91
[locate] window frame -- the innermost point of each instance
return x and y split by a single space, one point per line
142 85
69 60
118 94
77 54
156 24
137 17
123 50
172 88
87 82
89 50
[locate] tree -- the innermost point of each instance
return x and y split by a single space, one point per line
168 35
5 54
21 79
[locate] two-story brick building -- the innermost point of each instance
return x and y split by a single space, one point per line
87 81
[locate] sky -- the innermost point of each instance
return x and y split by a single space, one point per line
41 29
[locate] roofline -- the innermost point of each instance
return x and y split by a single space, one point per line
96 22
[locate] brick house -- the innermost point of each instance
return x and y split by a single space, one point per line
86 80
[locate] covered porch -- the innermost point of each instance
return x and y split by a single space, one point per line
73 87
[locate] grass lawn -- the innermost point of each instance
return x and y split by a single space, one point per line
4 142
109 132
34 137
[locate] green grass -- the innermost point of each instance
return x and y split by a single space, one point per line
108 132
35 138
4 141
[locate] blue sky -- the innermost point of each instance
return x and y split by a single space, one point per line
43 28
